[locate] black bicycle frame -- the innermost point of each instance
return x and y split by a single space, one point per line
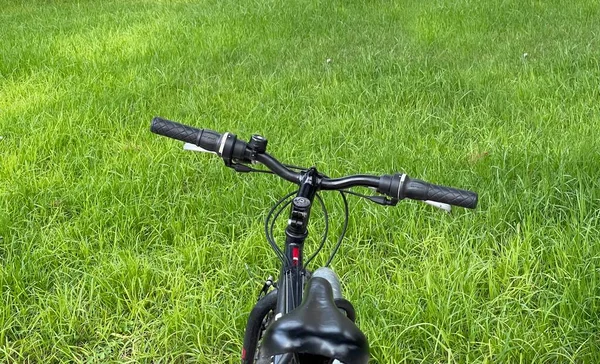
293 275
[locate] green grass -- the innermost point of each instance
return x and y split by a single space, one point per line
117 246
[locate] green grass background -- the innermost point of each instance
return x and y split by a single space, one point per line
118 246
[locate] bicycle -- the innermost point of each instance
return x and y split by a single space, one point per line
302 317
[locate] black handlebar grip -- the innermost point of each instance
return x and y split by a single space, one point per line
204 138
420 190
400 186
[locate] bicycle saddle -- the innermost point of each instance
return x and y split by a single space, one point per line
317 327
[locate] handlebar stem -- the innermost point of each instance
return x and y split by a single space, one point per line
295 235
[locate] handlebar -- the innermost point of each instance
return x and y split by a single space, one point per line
235 151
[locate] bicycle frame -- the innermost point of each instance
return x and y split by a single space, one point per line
293 275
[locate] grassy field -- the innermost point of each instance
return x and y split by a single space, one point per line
115 245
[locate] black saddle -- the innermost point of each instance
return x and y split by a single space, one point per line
317 328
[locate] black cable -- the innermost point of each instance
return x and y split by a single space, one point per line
339 242
273 215
325 233
246 168
272 226
270 239
380 200
255 170
354 193
280 206
291 166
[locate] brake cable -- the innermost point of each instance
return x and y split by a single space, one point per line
380 200
325 233
343 233
270 239
243 168
280 206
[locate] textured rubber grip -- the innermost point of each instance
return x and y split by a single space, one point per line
207 139
420 190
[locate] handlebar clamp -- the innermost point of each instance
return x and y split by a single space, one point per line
392 186
232 150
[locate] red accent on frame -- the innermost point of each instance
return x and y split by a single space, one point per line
295 255
243 353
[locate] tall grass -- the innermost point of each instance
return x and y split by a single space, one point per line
117 246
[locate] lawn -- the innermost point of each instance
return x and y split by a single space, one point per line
116 245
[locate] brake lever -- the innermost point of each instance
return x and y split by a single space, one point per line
439 205
236 166
242 168
194 148
381 200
